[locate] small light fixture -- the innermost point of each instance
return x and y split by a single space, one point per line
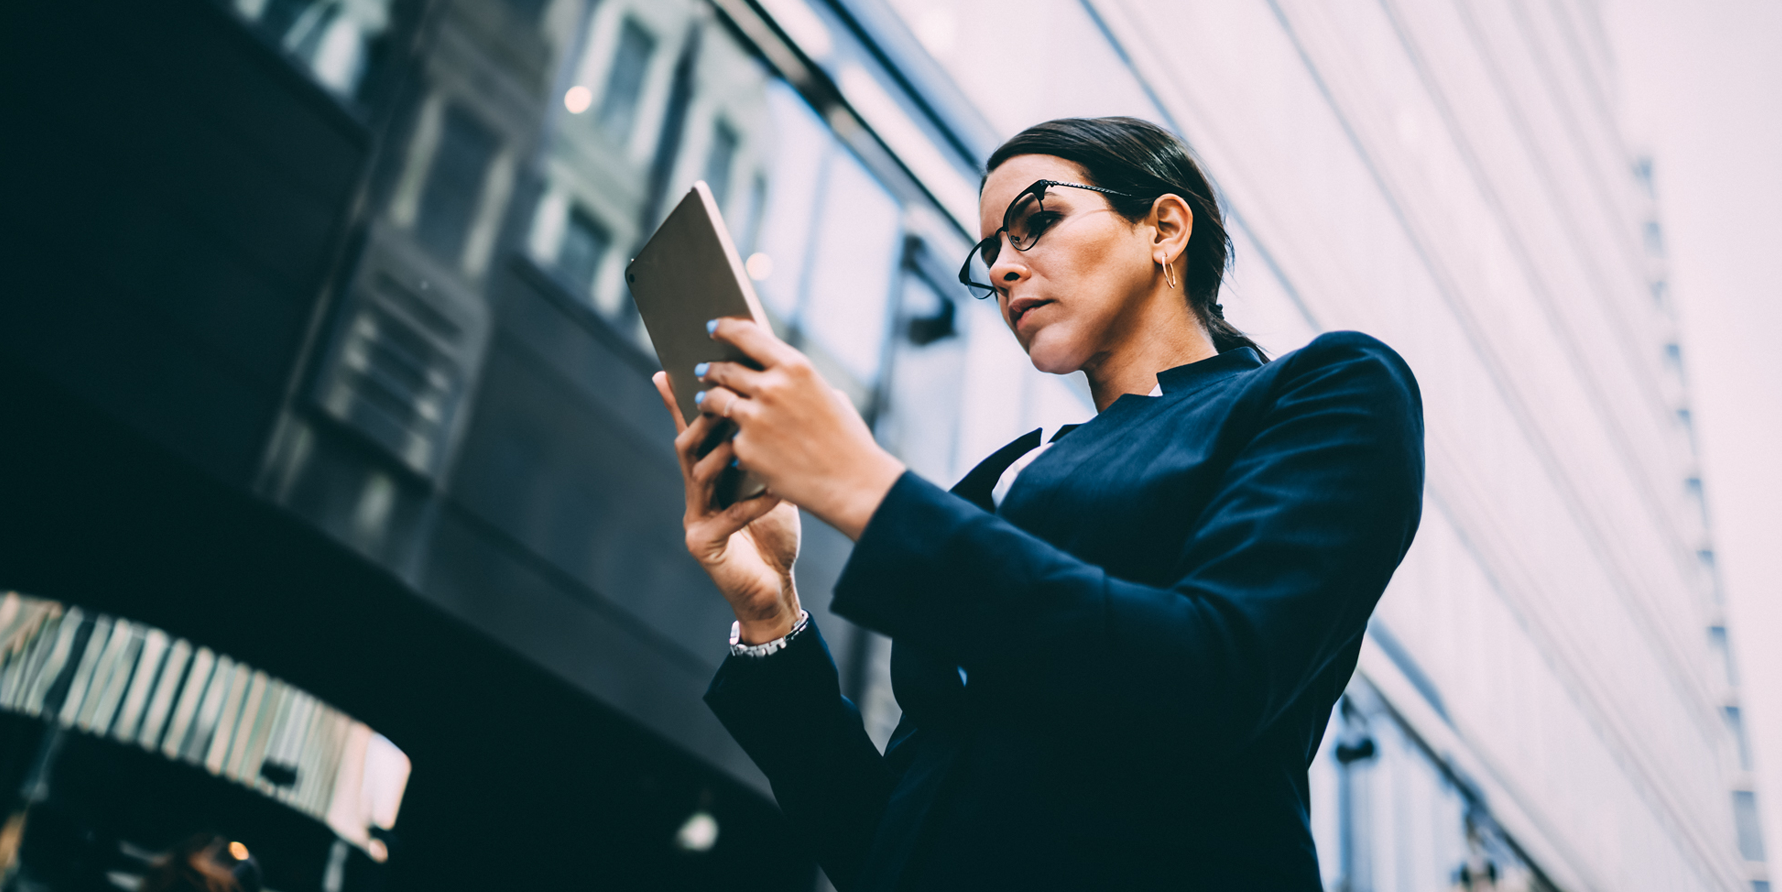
759 265
578 99
699 834
238 851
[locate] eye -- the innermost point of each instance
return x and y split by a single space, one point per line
988 249
1032 227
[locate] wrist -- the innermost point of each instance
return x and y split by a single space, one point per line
738 648
856 506
757 629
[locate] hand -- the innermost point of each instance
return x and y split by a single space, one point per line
747 548
796 432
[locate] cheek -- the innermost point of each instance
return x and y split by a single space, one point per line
1099 261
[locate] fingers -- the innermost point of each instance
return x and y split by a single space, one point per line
691 436
747 511
733 375
660 379
711 533
723 402
716 526
753 340
706 470
687 449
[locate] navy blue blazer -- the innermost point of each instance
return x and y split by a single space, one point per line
1153 628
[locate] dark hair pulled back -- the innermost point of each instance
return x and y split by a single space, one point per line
1146 162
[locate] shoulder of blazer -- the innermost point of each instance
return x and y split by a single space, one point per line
1378 368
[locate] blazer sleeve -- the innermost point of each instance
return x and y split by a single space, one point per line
788 713
1279 574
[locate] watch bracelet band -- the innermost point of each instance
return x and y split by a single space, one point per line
766 648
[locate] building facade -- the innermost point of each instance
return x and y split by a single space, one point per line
351 288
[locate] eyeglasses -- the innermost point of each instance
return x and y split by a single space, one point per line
1026 219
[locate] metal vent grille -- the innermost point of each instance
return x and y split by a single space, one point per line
400 363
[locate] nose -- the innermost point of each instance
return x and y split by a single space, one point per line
1007 267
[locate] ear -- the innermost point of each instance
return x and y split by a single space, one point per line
1172 222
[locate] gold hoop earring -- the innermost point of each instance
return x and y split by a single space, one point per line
1169 275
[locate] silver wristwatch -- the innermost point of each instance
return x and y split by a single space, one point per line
739 649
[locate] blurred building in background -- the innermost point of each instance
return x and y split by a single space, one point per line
317 352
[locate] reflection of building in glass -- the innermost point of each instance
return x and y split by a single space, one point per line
386 303
338 41
654 99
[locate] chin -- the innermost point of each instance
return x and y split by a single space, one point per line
1053 354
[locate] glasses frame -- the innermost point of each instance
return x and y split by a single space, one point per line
1038 191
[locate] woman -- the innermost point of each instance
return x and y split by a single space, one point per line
1115 675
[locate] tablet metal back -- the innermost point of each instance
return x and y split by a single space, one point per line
687 273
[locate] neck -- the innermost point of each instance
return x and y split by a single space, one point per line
1165 336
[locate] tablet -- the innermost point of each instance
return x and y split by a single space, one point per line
689 272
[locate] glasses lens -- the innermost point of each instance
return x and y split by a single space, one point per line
1024 219
975 275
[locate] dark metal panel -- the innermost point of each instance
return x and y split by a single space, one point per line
177 193
531 608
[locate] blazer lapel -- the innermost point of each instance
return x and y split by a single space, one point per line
1086 440
977 484
1028 504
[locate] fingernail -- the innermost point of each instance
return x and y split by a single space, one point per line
711 326
699 370
736 463
699 398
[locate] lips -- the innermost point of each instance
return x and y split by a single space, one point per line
1021 306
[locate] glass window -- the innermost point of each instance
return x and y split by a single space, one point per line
337 40
585 243
1693 486
802 146
1735 725
920 420
719 159
1750 831
1654 237
830 243
749 226
454 184
853 259
1673 358
1723 649
624 85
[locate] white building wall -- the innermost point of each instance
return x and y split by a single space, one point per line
1450 176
